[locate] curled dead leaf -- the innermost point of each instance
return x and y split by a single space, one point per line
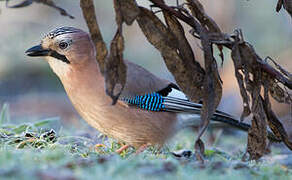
235 54
257 134
89 15
190 80
278 93
199 150
185 52
129 10
116 70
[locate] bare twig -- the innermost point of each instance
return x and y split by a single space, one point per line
50 3
87 7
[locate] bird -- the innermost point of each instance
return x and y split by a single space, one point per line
145 114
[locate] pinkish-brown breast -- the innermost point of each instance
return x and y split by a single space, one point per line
136 127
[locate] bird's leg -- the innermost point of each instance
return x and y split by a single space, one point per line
142 148
121 149
212 136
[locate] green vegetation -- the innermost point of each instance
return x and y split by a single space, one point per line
35 151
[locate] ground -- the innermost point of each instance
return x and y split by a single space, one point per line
43 150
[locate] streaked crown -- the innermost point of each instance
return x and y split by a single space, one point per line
61 30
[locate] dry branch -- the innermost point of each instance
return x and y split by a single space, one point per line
115 68
49 3
251 71
185 71
87 7
247 63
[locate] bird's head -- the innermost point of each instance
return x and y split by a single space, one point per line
64 47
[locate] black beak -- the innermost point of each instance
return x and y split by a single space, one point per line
37 51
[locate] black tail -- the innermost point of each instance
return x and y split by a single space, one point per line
178 105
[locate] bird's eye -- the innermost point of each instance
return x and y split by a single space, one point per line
63 45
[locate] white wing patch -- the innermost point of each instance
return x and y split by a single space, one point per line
177 94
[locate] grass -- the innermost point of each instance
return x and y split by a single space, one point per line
35 151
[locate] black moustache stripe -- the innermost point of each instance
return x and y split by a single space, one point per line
58 56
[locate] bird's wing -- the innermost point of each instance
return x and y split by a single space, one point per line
140 81
159 103
150 92
146 91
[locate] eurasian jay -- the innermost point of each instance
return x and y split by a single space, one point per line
144 114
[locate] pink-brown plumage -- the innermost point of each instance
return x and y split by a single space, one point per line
84 85
72 56
133 126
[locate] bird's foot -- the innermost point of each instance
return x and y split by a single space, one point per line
142 148
121 149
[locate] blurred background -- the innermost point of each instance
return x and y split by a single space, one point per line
34 92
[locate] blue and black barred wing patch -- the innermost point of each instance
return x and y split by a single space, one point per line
151 102
157 102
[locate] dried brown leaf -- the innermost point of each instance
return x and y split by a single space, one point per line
282 76
184 47
274 123
236 57
245 60
256 142
88 10
227 42
212 89
155 31
257 134
278 93
212 85
119 16
250 70
198 11
189 80
116 70
277 128
251 62
212 80
129 10
278 66
185 50
258 73
199 150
